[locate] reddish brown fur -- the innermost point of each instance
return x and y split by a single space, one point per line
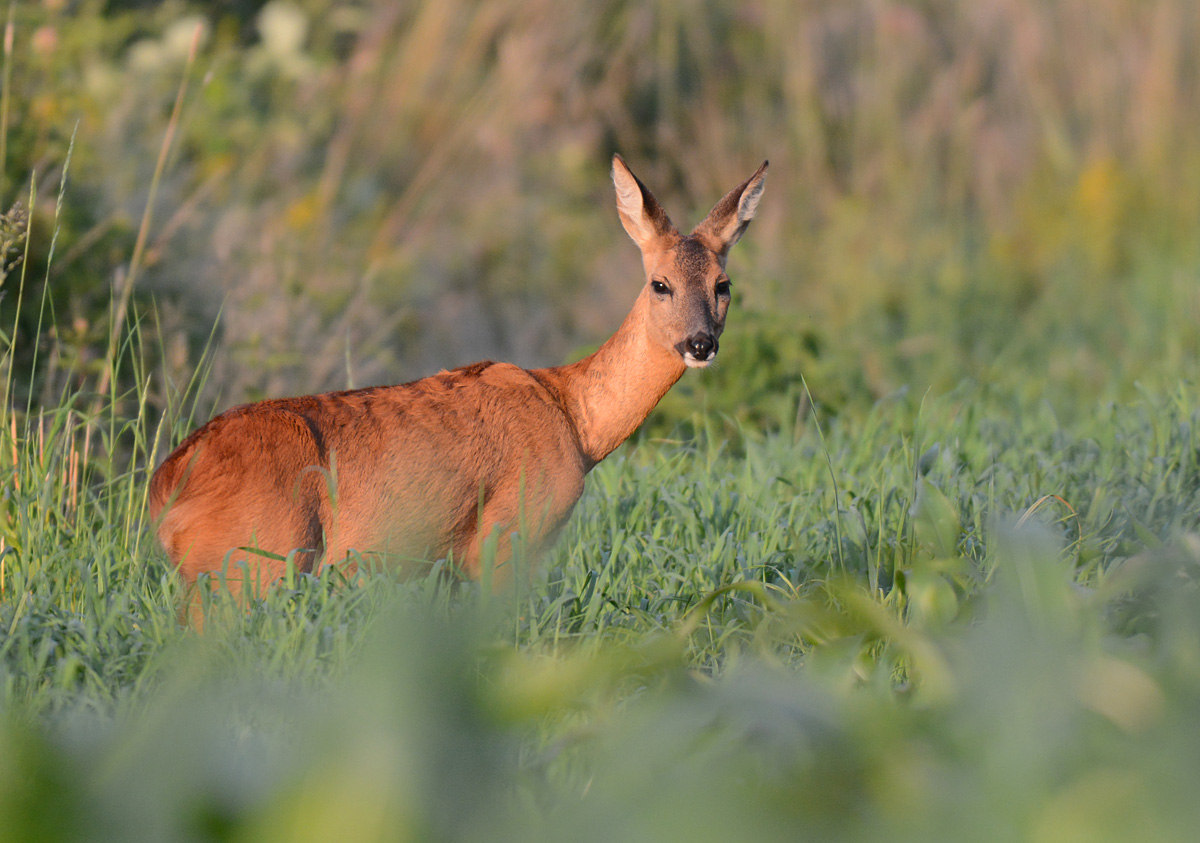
435 467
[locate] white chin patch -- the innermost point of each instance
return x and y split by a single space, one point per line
695 362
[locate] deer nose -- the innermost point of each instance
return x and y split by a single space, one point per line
701 346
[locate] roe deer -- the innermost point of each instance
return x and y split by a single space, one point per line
450 463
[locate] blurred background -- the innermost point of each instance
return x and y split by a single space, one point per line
1005 191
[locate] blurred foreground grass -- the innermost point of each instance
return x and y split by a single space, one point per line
1057 725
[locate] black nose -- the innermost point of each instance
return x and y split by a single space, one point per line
701 345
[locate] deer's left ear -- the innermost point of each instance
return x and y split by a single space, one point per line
727 221
644 219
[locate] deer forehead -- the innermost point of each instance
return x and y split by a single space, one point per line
687 261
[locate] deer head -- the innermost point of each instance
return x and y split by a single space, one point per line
687 290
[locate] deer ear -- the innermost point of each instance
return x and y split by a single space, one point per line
643 218
727 221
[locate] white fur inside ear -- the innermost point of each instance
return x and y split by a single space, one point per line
748 204
629 195
631 205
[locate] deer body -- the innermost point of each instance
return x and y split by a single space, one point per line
442 465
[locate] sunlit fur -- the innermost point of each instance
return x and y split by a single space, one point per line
437 467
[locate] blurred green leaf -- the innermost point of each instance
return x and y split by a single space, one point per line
936 524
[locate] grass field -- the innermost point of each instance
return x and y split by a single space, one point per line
918 560
953 618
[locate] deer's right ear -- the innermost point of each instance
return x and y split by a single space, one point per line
726 223
643 218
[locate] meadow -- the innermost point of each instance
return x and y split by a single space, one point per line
918 560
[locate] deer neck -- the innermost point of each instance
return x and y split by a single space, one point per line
608 394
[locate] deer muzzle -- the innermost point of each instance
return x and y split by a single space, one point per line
698 350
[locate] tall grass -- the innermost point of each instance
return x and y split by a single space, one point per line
715 649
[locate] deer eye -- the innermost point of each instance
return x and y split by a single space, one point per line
723 287
659 287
